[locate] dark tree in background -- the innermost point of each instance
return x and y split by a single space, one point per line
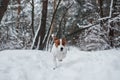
100 3
39 39
113 32
18 15
87 24
32 16
3 7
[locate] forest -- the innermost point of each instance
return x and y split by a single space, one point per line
34 33
89 25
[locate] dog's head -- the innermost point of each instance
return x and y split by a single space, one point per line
59 43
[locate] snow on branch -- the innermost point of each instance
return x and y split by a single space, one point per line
111 5
104 18
84 26
115 18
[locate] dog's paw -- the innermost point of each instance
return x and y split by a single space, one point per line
54 68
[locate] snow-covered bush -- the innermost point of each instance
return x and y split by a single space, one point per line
93 39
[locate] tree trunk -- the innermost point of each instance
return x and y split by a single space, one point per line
111 30
32 24
100 2
3 8
101 9
18 16
50 28
39 40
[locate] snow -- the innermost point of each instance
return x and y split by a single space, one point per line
82 26
78 65
111 9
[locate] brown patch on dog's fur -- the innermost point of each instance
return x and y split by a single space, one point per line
57 41
64 41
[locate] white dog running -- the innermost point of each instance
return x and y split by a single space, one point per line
59 50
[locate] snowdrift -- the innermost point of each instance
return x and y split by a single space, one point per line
78 65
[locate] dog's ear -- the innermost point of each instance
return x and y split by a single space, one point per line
57 42
55 38
64 41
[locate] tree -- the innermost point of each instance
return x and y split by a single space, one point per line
50 30
32 16
115 11
100 3
3 7
18 15
39 38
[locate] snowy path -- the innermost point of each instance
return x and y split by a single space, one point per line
78 65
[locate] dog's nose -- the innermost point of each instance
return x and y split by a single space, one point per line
61 48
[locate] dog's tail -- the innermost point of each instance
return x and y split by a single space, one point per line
54 37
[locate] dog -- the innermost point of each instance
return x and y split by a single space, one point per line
59 50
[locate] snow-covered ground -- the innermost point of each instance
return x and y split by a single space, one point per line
78 65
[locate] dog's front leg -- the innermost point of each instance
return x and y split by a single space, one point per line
55 63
